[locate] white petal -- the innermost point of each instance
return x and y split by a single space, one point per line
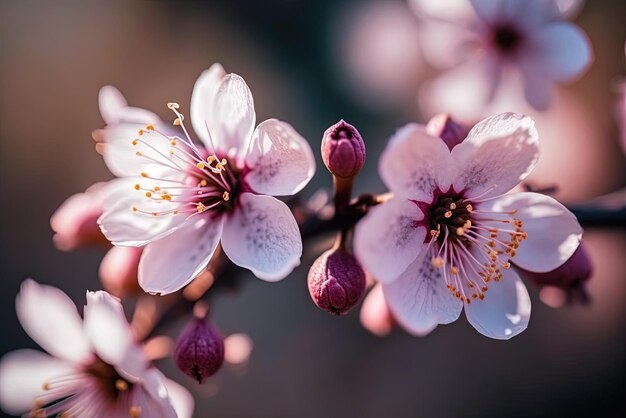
538 87
553 231
389 238
449 10
490 10
233 116
111 336
156 396
180 398
281 161
445 45
414 164
171 262
114 109
499 152
569 8
50 317
565 51
263 236
419 298
504 312
120 155
202 101
123 226
22 375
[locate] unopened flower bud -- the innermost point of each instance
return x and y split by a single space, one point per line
442 126
336 281
570 278
199 351
343 150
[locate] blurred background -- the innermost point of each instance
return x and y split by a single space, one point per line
310 63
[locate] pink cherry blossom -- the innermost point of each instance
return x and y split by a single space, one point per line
180 200
450 233
94 367
490 43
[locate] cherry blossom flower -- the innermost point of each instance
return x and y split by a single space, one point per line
94 367
490 43
448 237
180 200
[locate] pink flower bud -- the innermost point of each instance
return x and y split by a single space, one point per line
199 351
343 150
336 281
569 278
442 126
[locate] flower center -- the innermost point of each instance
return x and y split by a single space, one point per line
506 38
109 381
470 246
195 180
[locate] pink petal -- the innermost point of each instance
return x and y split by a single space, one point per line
448 10
445 44
263 236
419 299
553 231
180 398
499 152
50 318
389 238
22 375
122 226
118 271
538 87
170 263
569 8
565 51
491 10
375 315
281 161
202 101
154 398
504 312
110 334
233 116
414 163
114 109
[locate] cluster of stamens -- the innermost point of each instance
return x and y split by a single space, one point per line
205 183
471 247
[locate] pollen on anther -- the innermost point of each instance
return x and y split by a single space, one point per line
143 174
173 105
200 165
150 127
135 411
134 142
438 262
148 194
226 196
469 208
177 122
45 386
138 154
203 183
140 132
460 231
137 186
121 385
173 142
133 209
448 214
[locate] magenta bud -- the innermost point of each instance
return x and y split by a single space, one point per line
452 133
343 150
199 351
570 277
336 281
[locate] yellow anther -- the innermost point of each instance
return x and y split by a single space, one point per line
210 159
138 154
150 127
506 265
448 214
143 174
166 197
133 209
200 165
121 385
203 183
140 132
226 196
134 142
177 122
454 270
137 186
173 142
468 224
155 214
200 207
438 262
175 212
219 166
135 411
148 194
469 208
460 231
156 188
45 386
173 105
434 233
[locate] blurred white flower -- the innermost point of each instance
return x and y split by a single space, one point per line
95 367
489 43
450 233
180 200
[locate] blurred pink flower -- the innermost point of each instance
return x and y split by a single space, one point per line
450 231
95 367
375 315
180 201
488 43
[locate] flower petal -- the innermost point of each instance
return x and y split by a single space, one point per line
569 8
419 298
154 399
233 116
415 163
50 318
389 238
538 87
123 226
553 231
22 375
170 263
499 152
565 51
202 101
263 236
180 398
450 10
111 336
281 161
114 108
504 312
